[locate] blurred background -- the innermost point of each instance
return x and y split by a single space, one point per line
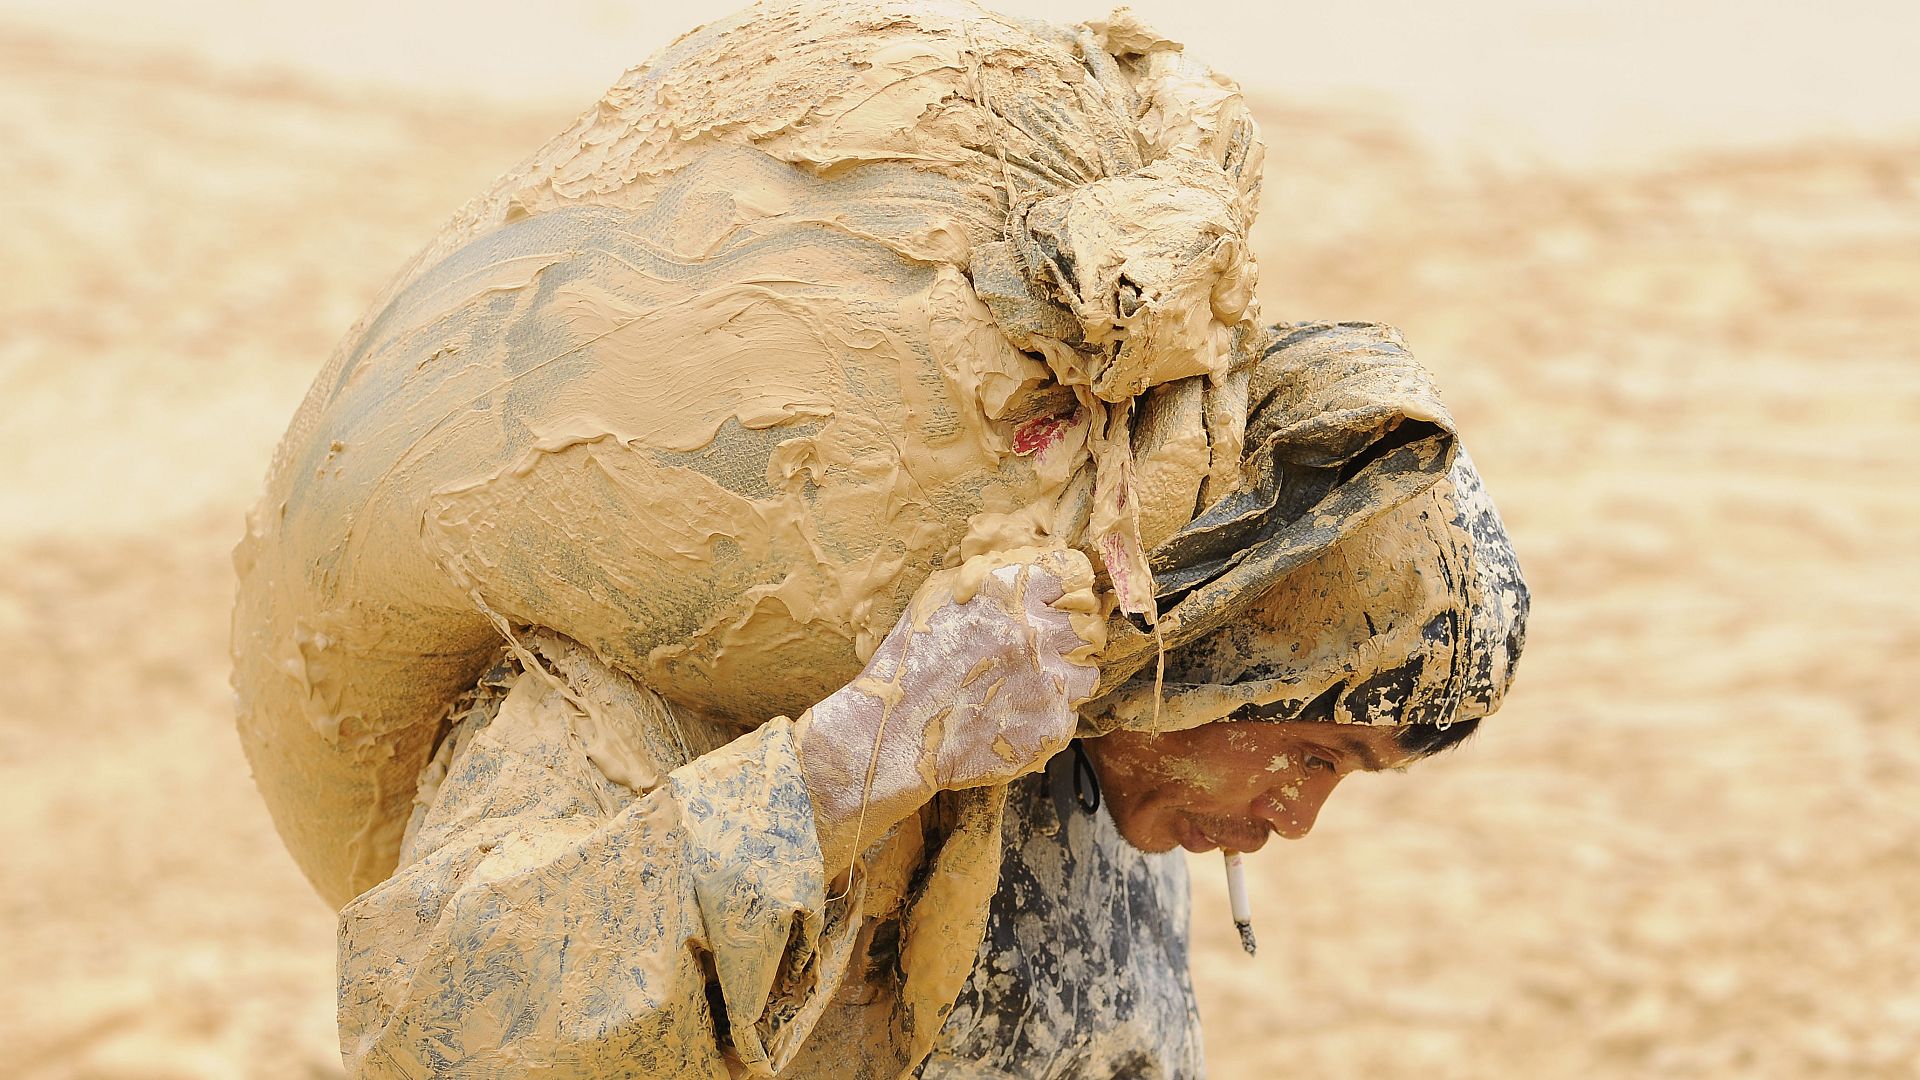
1663 257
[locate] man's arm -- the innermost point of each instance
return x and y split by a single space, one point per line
546 918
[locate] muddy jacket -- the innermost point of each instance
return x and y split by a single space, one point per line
548 919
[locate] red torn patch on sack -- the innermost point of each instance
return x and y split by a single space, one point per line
1037 434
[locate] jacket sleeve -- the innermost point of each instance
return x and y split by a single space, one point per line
545 919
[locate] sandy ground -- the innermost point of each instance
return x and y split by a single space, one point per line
1687 846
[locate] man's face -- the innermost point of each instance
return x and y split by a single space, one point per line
1232 783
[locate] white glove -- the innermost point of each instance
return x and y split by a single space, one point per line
975 685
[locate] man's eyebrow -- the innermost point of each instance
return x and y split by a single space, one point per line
1370 759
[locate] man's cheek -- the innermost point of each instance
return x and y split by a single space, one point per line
1120 767
1144 830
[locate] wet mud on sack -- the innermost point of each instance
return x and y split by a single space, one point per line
706 384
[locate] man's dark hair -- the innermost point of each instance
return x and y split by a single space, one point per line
1430 739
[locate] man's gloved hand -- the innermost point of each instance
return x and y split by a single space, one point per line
975 685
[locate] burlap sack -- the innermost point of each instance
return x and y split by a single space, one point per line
823 298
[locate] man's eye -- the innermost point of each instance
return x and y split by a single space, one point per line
1315 762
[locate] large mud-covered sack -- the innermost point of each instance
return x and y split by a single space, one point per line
823 298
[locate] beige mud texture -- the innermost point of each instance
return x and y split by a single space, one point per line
716 377
1684 846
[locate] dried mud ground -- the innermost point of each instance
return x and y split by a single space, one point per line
1689 846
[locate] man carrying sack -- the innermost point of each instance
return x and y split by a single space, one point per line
906 385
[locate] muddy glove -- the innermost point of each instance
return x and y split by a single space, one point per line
975 685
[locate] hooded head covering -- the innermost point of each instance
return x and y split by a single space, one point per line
1418 617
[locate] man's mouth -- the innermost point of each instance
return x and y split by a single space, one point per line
1209 834
1191 837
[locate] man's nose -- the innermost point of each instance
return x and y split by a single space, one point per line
1292 809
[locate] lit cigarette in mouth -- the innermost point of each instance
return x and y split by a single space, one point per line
1237 898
